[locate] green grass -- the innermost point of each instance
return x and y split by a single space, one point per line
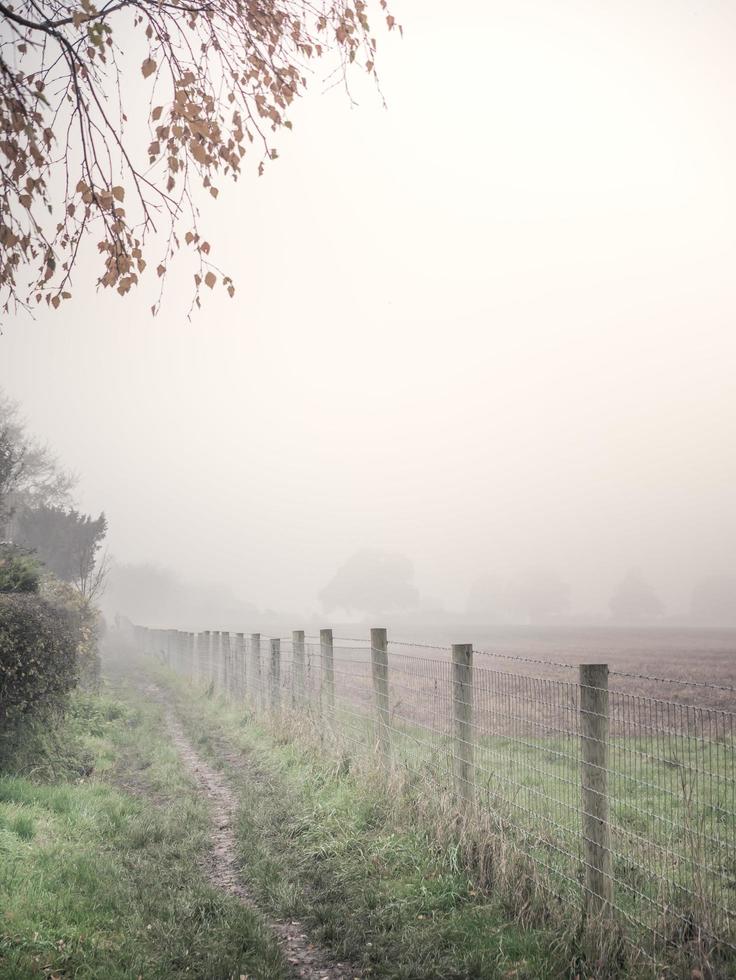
671 816
525 852
99 874
364 876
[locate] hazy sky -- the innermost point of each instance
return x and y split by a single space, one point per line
491 327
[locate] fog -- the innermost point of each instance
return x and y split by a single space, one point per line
488 329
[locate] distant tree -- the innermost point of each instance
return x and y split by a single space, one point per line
539 595
30 474
634 599
714 600
488 599
371 581
152 595
67 543
222 78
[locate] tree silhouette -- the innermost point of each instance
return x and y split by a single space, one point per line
65 541
371 581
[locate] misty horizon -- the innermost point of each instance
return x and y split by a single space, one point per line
510 347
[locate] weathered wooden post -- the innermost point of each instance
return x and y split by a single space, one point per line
297 645
275 674
328 667
594 773
462 715
199 657
240 665
215 659
259 695
208 660
221 673
379 671
227 672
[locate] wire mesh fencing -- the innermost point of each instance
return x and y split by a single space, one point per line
619 790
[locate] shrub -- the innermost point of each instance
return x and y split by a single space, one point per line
19 572
89 626
38 657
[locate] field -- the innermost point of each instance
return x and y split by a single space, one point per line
667 867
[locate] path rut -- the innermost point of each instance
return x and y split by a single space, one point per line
306 960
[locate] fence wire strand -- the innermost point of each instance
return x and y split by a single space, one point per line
512 741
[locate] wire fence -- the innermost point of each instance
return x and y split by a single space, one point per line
619 788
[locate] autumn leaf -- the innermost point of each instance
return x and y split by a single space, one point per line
220 90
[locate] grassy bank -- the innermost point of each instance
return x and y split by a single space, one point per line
340 854
100 855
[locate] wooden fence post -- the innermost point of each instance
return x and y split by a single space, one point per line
227 672
297 646
201 648
215 657
240 666
328 667
210 647
462 714
275 677
594 773
379 671
259 695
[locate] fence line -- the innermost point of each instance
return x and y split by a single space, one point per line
622 797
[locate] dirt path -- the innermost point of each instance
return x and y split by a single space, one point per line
305 960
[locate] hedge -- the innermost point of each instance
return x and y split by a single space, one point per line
38 656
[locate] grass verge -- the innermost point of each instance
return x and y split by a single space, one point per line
339 854
100 873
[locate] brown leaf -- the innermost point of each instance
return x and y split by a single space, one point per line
210 279
148 67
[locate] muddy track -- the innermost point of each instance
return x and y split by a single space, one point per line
306 961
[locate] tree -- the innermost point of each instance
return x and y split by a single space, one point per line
371 581
634 599
153 595
29 473
67 543
221 77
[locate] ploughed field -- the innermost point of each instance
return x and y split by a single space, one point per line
671 754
